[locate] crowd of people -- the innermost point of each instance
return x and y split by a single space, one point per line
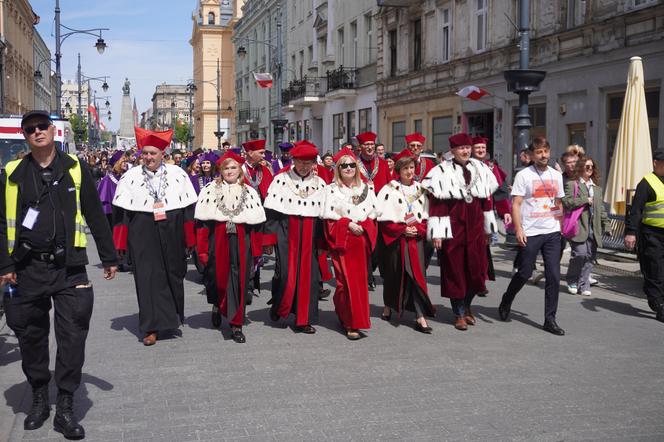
362 209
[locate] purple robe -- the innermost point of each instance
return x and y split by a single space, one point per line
279 164
106 190
200 181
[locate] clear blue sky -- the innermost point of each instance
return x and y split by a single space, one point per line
148 43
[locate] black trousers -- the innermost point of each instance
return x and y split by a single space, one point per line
68 289
651 260
549 245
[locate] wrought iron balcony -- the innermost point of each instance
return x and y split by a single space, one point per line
308 89
246 114
341 78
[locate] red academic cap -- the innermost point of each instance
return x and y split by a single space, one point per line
253 145
460 139
480 140
160 140
415 136
366 137
343 152
229 156
304 150
403 154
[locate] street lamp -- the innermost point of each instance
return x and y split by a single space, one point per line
59 39
191 88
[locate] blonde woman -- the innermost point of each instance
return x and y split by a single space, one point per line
350 229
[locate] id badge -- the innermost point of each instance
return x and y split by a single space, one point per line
410 219
30 218
159 211
557 213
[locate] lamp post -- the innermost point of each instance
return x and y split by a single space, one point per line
191 87
59 39
218 133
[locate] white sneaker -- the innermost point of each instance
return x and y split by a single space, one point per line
586 293
572 289
592 281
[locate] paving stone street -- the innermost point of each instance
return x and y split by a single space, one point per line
496 381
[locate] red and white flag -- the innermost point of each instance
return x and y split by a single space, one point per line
263 79
102 126
472 92
92 110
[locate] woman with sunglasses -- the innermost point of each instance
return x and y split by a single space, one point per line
350 230
403 210
582 190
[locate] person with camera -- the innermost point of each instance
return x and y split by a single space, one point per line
46 199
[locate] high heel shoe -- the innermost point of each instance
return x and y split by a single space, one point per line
386 317
423 328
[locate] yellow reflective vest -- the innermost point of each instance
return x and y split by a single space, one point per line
653 212
11 202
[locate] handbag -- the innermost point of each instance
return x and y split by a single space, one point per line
570 227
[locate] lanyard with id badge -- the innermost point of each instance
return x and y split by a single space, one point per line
32 214
555 211
410 218
158 206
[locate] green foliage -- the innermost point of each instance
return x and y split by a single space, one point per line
181 133
79 126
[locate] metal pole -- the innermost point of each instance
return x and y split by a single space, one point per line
279 134
58 55
218 134
89 117
523 121
79 111
190 139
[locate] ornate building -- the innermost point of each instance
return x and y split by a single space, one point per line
213 48
170 102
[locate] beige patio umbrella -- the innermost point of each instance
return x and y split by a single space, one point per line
632 155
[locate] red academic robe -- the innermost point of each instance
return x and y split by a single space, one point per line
503 206
266 180
382 175
350 257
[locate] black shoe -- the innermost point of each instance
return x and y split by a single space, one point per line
216 317
306 329
504 310
422 329
324 293
39 411
660 314
386 317
553 328
483 293
274 317
64 421
249 298
238 336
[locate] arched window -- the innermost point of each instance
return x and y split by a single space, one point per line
211 18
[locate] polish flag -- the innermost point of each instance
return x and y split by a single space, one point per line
102 126
92 110
472 92
263 79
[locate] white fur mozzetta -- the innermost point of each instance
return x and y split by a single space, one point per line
392 202
214 195
445 180
339 203
291 195
490 224
133 194
439 227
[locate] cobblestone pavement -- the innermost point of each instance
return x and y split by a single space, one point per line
496 381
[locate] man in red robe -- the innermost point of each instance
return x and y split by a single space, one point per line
373 170
460 218
256 174
415 144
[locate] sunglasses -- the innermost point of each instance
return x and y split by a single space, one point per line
347 165
589 167
32 129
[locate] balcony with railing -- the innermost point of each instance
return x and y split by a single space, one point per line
304 92
341 82
246 114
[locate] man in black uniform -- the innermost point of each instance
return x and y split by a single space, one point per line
646 221
45 200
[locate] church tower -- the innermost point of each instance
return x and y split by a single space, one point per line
213 49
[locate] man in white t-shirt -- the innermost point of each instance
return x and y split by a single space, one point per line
536 214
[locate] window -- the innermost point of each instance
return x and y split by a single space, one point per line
368 26
365 120
307 129
642 3
398 134
615 104
302 63
211 18
576 12
337 131
447 35
441 129
310 51
480 24
418 125
417 45
393 52
353 37
350 125
340 46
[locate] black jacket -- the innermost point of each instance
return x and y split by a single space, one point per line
90 208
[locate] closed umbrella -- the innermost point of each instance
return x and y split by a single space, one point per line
632 156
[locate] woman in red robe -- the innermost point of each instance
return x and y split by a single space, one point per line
232 217
402 216
350 230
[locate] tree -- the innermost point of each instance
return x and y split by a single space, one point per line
79 126
181 133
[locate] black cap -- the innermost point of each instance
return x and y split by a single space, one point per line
35 113
658 154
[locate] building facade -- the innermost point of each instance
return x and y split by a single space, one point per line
258 32
42 73
331 58
17 21
429 51
69 99
170 103
213 49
